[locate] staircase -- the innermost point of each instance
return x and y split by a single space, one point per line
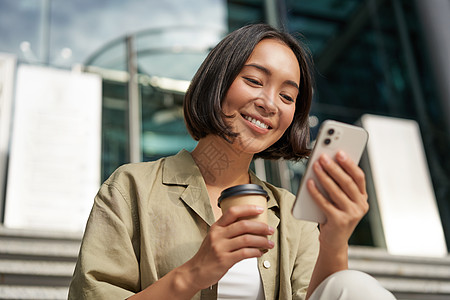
36 265
39 265
409 278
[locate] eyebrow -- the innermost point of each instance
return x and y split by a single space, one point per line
268 72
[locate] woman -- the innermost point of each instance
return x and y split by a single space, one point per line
155 230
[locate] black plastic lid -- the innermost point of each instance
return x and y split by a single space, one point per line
243 189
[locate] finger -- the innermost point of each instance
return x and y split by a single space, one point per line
336 194
248 241
324 204
245 253
353 170
345 182
249 227
240 211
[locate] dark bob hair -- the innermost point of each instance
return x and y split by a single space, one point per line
203 100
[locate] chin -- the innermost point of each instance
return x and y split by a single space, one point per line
250 146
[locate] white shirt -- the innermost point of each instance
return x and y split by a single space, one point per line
242 282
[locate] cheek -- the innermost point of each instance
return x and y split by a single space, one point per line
230 101
288 117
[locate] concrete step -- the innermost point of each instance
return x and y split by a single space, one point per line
38 245
426 278
40 262
39 234
33 272
33 292
14 248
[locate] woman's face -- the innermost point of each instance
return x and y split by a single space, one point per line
262 97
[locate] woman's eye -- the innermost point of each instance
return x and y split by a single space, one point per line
288 98
252 81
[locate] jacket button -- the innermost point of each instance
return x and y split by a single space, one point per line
266 264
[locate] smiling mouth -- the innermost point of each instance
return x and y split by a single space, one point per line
256 122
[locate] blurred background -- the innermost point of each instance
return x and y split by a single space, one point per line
122 67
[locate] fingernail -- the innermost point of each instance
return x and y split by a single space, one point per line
341 156
271 230
259 209
318 166
325 159
271 244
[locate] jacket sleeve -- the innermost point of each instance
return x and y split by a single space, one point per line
107 266
305 261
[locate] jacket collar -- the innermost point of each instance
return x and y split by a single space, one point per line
272 201
181 170
272 205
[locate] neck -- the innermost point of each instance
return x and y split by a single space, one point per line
221 165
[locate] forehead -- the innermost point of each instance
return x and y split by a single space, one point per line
276 56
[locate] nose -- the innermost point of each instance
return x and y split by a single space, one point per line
266 103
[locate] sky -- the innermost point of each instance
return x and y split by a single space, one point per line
79 28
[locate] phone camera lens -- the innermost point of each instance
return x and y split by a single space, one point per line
327 141
331 131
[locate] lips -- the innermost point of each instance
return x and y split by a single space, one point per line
256 122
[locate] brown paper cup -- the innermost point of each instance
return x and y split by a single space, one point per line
245 194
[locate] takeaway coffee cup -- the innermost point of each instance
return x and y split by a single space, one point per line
245 194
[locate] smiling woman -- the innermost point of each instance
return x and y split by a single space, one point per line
158 225
225 62
260 103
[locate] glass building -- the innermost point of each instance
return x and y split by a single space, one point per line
373 56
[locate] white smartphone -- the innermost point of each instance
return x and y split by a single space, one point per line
333 136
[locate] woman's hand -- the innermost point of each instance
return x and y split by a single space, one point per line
345 184
229 241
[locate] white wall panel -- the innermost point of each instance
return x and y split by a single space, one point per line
54 167
409 218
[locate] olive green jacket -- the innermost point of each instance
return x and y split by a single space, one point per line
149 218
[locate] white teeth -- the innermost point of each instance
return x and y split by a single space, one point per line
257 122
